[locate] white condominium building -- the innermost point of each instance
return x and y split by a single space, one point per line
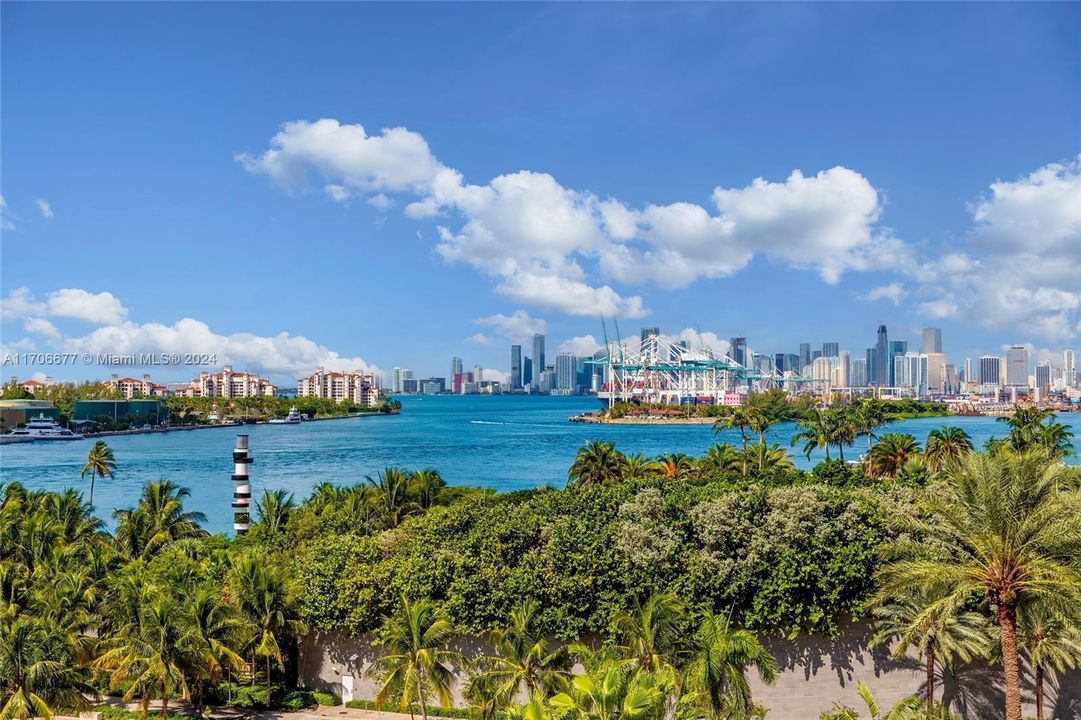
358 387
228 384
133 388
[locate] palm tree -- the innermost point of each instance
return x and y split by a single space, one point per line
1032 427
868 416
997 529
840 429
99 463
425 486
273 509
717 672
523 661
737 417
148 659
771 459
38 673
942 636
636 466
415 641
720 459
213 633
890 454
1051 642
906 709
814 432
649 636
614 691
598 463
264 600
158 520
676 466
391 496
945 446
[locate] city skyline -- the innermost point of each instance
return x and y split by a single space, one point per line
477 219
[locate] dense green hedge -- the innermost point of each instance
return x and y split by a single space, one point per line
789 559
443 712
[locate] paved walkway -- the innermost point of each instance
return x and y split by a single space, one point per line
224 712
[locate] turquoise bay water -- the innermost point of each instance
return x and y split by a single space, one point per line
502 442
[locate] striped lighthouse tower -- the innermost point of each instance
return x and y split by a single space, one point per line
241 486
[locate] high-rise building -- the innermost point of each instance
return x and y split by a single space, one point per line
538 361
455 366
1069 368
830 349
882 358
804 356
1017 366
815 354
738 350
527 373
897 347
396 380
566 381
910 371
779 362
932 340
515 367
969 377
1043 377
951 378
990 370
857 373
936 373
843 368
792 363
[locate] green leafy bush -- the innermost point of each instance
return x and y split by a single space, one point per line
296 700
327 698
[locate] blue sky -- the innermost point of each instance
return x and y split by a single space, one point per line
579 159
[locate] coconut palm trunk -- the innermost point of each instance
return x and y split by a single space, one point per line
1007 623
268 681
1038 679
93 475
930 678
420 695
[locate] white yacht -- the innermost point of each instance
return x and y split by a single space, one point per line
44 428
293 418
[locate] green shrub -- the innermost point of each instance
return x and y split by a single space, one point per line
442 712
246 696
296 700
327 698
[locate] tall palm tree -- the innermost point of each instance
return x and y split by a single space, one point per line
889 455
945 446
149 658
598 463
158 520
37 672
942 636
416 658
265 601
868 416
213 633
1051 642
273 510
840 429
717 672
738 417
996 529
814 432
1036 428
770 459
650 636
523 661
100 462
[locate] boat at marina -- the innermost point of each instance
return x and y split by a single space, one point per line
43 428
293 418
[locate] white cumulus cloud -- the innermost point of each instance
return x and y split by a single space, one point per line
555 247
894 292
99 308
517 327
580 345
41 326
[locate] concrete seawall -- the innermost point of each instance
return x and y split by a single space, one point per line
815 673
